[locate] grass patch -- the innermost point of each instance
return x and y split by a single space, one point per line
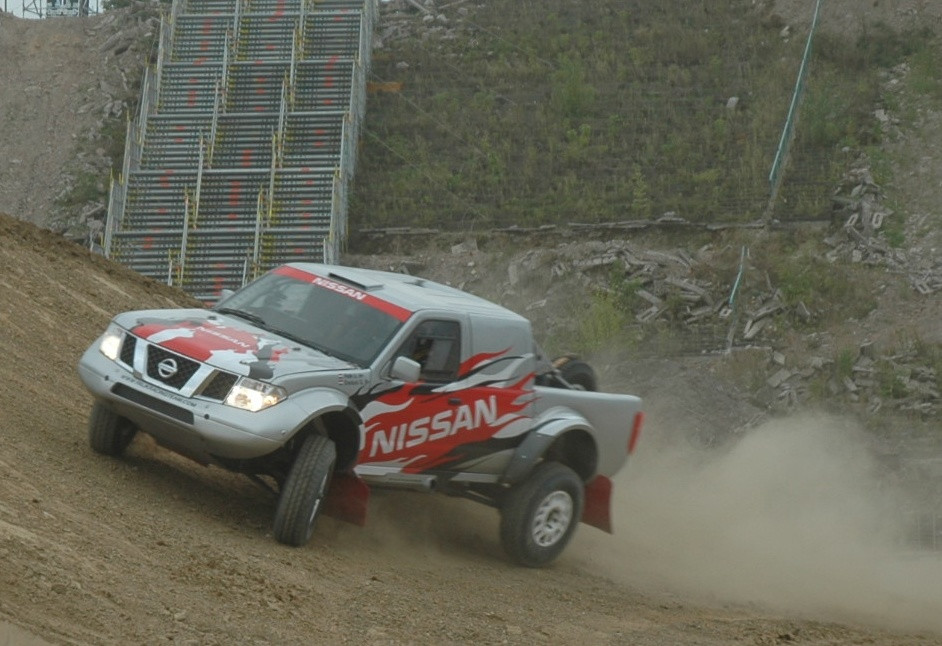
795 264
894 226
600 324
844 363
557 112
889 377
925 76
88 187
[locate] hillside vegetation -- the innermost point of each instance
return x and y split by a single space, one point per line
532 113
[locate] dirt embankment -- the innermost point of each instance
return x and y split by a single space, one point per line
768 543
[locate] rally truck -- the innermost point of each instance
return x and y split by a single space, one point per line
324 381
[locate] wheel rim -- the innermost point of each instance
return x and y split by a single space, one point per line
321 490
552 518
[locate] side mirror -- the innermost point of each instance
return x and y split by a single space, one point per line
405 369
224 294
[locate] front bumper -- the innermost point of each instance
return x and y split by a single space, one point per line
202 429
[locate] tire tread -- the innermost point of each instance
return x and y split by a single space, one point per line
317 455
108 433
516 513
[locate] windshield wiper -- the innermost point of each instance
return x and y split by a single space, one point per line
248 316
298 339
320 348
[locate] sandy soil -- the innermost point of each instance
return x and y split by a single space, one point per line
786 536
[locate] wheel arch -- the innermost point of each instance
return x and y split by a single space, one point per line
329 413
341 426
566 439
576 449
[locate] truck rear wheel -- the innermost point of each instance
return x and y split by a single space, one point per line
302 495
540 514
108 432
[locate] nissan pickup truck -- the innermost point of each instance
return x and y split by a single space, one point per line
324 381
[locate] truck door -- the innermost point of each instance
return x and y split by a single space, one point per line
456 411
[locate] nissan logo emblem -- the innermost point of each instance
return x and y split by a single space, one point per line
167 368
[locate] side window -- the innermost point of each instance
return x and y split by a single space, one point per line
436 345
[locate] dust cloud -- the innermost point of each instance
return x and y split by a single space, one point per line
795 516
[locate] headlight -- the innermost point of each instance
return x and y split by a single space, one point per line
110 343
254 396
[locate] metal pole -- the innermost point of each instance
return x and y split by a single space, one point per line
734 315
788 131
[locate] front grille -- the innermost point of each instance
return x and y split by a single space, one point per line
219 386
177 369
127 349
145 400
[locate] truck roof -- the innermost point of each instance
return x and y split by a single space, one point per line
410 292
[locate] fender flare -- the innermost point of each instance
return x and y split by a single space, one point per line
555 423
316 402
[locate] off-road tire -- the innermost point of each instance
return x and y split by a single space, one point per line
540 514
108 432
302 495
581 374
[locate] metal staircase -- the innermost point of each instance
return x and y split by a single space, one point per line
242 152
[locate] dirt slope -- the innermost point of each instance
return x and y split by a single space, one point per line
39 58
154 549
61 81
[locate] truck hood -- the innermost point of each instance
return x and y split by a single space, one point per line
228 343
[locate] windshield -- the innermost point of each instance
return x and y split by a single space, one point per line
326 315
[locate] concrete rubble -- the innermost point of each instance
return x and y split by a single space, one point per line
862 237
438 20
668 289
665 287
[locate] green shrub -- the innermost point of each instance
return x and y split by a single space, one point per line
844 364
600 323
88 187
572 97
890 380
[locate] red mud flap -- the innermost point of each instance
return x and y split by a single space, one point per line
347 499
598 504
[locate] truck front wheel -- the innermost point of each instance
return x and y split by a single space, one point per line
302 495
108 432
540 514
